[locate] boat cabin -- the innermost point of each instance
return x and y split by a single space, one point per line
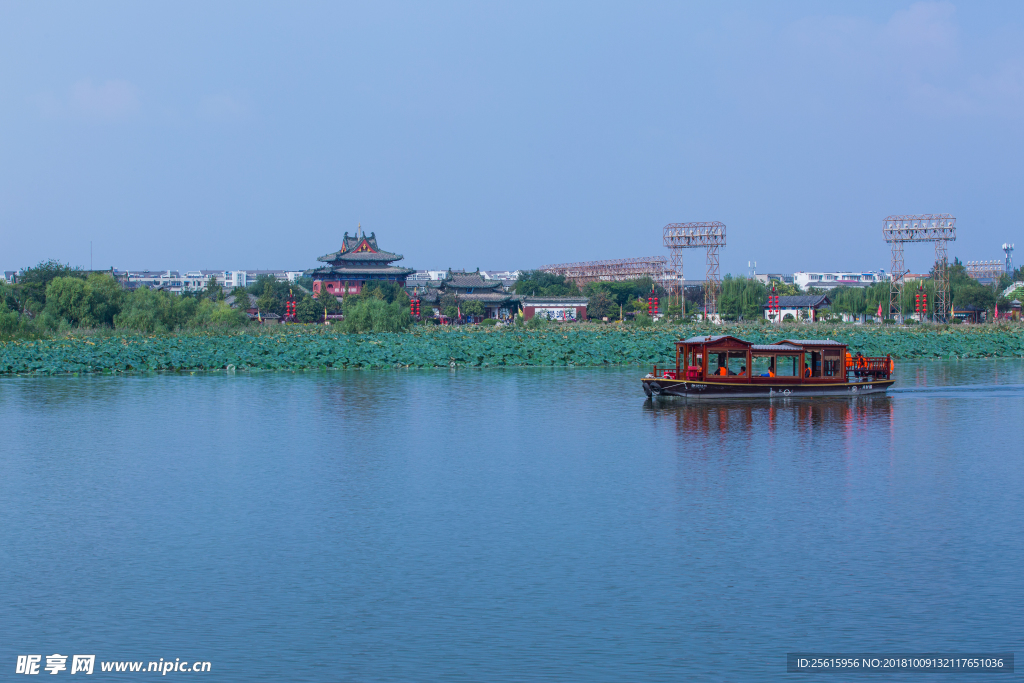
724 358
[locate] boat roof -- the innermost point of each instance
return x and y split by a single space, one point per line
711 339
783 345
811 342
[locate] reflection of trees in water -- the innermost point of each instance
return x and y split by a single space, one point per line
795 416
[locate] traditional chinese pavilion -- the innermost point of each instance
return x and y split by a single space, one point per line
358 261
462 286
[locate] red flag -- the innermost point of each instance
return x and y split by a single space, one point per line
879 310
997 311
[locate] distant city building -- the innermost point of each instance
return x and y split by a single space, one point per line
11 276
279 275
767 278
427 276
507 277
358 261
839 278
197 280
167 280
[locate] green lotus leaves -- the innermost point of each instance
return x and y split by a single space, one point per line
315 347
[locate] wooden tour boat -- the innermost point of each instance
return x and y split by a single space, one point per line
727 367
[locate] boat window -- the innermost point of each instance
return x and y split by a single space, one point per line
727 364
832 364
812 359
738 363
718 364
786 366
760 366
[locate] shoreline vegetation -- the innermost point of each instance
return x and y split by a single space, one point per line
311 347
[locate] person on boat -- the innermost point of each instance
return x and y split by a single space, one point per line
862 364
743 370
807 370
771 369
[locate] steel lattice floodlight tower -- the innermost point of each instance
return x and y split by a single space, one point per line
679 236
938 228
613 270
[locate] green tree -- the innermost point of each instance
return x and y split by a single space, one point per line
599 305
213 290
308 310
473 307
385 290
9 297
540 283
33 282
268 301
145 310
105 298
67 298
636 305
371 314
241 295
537 322
449 305
643 320
742 298
426 312
621 293
326 302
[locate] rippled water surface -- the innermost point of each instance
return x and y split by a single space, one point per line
506 525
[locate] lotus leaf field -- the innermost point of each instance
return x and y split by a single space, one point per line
313 347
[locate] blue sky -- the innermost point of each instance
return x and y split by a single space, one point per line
252 135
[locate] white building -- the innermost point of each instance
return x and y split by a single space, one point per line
168 280
500 275
190 281
195 280
427 276
767 278
280 275
838 278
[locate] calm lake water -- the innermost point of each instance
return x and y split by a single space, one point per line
517 525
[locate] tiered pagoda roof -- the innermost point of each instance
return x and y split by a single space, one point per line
359 256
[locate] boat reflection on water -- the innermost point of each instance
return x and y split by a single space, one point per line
794 416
